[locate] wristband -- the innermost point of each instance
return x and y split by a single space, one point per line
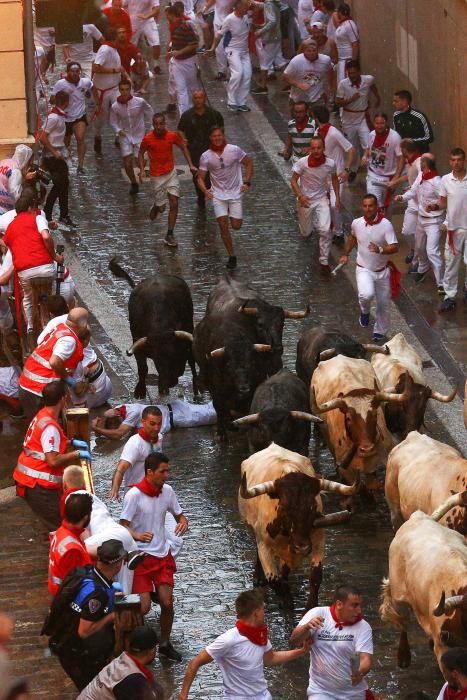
71 381
381 249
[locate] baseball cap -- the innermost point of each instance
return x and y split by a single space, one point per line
111 551
142 639
317 24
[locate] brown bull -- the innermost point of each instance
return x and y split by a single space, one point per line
279 498
428 575
421 474
345 394
403 367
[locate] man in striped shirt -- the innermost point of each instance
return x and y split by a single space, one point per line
183 76
410 123
300 131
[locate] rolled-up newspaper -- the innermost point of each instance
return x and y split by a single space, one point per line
337 268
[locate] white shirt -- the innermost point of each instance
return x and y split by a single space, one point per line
239 28
64 347
441 692
354 112
77 103
8 216
135 452
133 413
6 264
346 35
55 127
241 664
456 192
50 439
312 72
382 161
336 146
330 655
140 7
425 192
147 514
314 182
83 52
225 171
9 381
129 118
44 36
108 57
221 9
38 56
381 234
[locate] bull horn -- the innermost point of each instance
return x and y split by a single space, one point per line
447 605
326 485
185 335
303 415
247 420
218 352
332 518
258 490
261 347
136 345
458 499
248 310
390 396
370 347
444 398
327 354
327 405
297 314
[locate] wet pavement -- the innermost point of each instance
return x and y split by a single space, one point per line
217 560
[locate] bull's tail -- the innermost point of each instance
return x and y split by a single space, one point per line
118 271
387 610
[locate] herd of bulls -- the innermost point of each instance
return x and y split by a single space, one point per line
362 399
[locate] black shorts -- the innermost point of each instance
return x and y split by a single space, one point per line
69 125
284 23
209 19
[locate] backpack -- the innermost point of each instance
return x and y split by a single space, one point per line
60 623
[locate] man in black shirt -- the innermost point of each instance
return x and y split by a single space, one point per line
196 124
410 123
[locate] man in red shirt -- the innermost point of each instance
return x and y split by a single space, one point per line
66 548
126 50
158 144
118 17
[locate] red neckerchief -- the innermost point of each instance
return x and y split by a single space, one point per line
174 24
357 83
340 625
429 174
372 222
257 635
124 100
121 410
144 436
145 671
453 694
316 162
413 157
300 127
145 487
380 139
112 44
323 130
218 149
57 110
318 6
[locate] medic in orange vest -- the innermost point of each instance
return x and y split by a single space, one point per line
56 357
67 551
39 471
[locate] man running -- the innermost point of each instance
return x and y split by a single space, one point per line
83 52
158 144
410 123
144 15
183 68
311 76
301 129
384 160
107 73
223 161
127 119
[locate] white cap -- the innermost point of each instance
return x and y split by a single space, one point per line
317 24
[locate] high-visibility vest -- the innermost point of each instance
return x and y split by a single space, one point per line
63 541
37 371
32 468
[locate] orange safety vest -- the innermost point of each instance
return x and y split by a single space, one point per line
37 371
32 468
63 541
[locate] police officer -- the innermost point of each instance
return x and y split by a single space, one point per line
39 471
80 622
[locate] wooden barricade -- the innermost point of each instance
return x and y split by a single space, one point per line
127 616
78 426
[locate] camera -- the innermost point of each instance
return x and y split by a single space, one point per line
41 174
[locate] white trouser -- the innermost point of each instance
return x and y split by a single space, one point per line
25 278
336 216
375 285
240 77
357 134
341 68
317 217
114 531
188 415
6 318
94 399
452 260
269 54
183 76
106 98
427 248
376 184
409 227
221 57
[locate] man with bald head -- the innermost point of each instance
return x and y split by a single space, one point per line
57 355
196 124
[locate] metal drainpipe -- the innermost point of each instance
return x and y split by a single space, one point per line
29 66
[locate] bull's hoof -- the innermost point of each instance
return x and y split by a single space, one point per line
139 392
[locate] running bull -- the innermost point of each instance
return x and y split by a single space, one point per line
428 574
421 474
404 367
279 498
266 319
280 413
160 310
